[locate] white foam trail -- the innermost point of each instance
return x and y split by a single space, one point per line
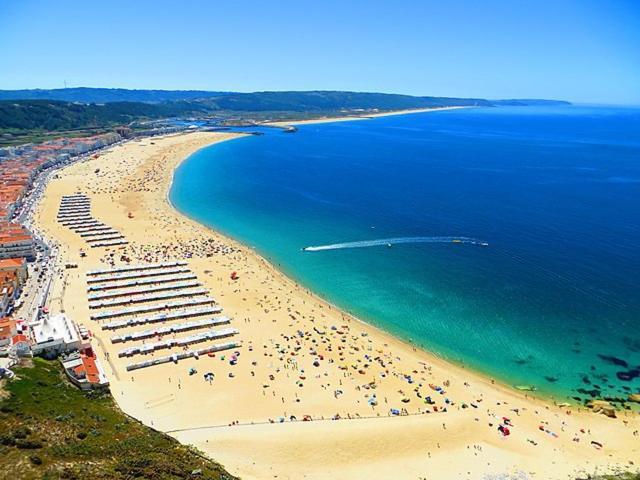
394 241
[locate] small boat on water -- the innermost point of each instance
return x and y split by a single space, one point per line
388 245
483 244
456 240
526 388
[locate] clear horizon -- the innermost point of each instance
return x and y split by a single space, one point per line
580 51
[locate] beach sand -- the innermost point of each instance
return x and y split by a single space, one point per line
364 116
284 330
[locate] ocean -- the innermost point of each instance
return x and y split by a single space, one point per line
552 300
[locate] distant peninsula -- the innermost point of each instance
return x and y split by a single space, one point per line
30 115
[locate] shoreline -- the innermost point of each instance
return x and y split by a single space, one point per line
168 153
536 394
348 118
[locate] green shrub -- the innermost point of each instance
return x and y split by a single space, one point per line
28 444
21 432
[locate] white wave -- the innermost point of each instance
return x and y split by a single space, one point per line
394 241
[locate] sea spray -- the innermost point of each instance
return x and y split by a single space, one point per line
394 241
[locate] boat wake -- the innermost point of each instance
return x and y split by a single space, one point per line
394 241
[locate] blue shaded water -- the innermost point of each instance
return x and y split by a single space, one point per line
553 301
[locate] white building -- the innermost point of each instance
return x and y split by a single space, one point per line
55 334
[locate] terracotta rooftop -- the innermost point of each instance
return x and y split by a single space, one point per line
19 338
12 262
7 327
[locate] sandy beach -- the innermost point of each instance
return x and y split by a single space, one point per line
348 118
301 357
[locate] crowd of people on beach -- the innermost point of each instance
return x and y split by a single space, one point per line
303 359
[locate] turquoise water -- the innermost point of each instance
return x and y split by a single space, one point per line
552 301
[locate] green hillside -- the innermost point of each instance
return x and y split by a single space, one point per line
51 430
52 115
106 95
23 120
330 101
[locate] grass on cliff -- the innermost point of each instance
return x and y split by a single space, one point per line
51 430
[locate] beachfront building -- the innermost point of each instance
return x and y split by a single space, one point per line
7 295
54 335
20 346
16 242
84 370
16 265
8 330
20 165
13 275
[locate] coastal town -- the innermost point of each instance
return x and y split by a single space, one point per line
27 327
28 262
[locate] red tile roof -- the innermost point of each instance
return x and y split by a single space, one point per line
19 338
91 368
12 262
7 327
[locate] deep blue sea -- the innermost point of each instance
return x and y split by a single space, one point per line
553 301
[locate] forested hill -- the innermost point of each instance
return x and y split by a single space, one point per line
331 100
106 95
256 101
259 101
51 115
91 107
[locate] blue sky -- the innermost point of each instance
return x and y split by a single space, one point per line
583 50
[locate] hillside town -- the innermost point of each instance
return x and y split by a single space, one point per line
26 327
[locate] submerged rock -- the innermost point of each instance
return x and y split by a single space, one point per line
629 375
634 397
614 360
600 406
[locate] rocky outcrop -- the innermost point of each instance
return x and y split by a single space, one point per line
600 406
634 397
